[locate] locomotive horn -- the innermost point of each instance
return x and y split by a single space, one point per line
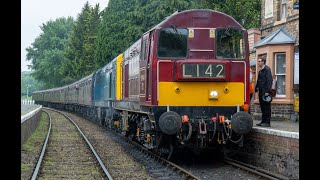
170 122
241 122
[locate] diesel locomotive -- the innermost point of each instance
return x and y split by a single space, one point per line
183 84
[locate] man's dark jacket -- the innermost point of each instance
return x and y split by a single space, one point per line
264 81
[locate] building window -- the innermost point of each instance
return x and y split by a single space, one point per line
280 73
283 9
268 9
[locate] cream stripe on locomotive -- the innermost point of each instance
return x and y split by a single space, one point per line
201 93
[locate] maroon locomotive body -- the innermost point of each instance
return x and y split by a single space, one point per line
179 90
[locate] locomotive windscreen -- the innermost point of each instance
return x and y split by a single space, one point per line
173 42
230 43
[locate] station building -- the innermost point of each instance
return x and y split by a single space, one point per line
278 40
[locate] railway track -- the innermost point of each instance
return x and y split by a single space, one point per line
213 165
67 153
161 167
255 170
154 165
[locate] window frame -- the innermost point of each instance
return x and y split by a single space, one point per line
172 57
283 9
268 8
280 74
242 45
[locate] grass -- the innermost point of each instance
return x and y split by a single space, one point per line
32 146
26 167
49 162
26 98
37 136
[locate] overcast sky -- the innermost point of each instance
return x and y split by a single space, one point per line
36 12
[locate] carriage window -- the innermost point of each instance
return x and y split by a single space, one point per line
173 42
230 44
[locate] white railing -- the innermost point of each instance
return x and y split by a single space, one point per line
31 102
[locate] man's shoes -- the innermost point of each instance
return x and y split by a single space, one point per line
264 125
259 124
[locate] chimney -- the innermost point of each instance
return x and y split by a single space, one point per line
254 35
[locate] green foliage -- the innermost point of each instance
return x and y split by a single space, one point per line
79 54
246 12
124 22
28 81
46 52
68 50
38 136
111 39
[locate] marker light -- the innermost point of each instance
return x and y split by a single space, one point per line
213 94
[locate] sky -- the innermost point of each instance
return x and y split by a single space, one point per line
34 13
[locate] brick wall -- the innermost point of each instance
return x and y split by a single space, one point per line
276 12
278 111
253 37
273 153
291 27
291 22
28 126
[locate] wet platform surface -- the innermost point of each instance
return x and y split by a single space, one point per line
284 125
25 108
284 128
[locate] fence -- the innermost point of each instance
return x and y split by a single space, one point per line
31 102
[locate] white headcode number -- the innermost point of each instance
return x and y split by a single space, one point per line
209 70
219 73
203 70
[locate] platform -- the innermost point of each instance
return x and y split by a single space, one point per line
284 128
274 148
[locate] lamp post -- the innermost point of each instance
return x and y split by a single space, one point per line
28 90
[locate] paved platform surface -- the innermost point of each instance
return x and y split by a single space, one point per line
25 108
283 125
283 128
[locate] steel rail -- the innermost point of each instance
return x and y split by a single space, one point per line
36 170
175 167
255 170
89 144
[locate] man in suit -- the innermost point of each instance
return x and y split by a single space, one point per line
263 85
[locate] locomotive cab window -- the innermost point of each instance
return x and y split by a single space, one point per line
230 43
173 42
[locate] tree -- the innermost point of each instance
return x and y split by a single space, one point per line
79 54
28 81
111 39
46 52
67 51
246 12
125 21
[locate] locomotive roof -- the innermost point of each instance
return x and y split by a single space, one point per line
185 19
